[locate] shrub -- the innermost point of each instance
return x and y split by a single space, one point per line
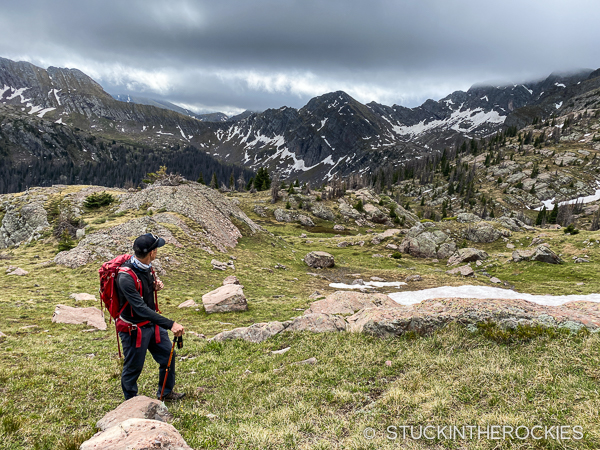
287 205
98 199
359 206
426 220
571 229
396 255
66 242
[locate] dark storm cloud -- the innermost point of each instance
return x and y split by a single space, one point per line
235 54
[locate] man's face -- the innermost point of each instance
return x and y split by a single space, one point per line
153 254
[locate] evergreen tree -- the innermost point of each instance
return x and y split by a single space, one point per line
214 183
553 214
232 181
201 179
541 217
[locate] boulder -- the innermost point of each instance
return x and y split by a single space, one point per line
337 227
256 333
427 244
510 223
139 407
83 297
317 323
80 233
305 220
483 234
260 210
19 272
495 280
319 260
341 302
137 434
464 255
322 212
187 304
543 254
226 298
91 316
231 279
218 265
521 255
465 271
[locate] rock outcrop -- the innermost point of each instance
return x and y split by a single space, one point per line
283 215
343 303
427 244
541 253
22 223
484 233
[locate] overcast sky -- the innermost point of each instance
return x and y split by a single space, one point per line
231 55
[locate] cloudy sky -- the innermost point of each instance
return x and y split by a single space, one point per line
231 55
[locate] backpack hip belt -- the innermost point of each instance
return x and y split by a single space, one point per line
123 325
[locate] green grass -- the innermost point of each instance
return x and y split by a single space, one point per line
56 381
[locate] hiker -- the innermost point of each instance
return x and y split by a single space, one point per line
139 324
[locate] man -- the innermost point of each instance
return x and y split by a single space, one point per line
140 326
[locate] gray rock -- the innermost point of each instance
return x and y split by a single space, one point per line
305 220
226 298
482 234
465 271
495 280
18 272
317 323
416 277
467 218
80 233
137 433
22 223
260 210
358 282
319 260
231 279
310 361
521 255
256 333
510 223
543 254
322 212
467 255
188 304
337 227
427 244
139 407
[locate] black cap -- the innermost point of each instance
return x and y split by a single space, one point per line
147 242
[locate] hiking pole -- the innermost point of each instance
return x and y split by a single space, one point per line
167 371
179 341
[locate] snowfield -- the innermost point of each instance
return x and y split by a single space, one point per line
469 291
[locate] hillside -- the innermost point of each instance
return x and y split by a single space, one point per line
58 379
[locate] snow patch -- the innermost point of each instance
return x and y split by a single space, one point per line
549 204
560 85
368 285
323 123
558 105
44 111
468 291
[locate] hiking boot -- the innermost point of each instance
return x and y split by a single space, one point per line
172 396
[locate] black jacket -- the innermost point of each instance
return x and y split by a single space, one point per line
139 309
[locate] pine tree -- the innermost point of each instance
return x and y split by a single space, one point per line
553 214
214 183
201 179
232 181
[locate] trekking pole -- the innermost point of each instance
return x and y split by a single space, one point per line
179 341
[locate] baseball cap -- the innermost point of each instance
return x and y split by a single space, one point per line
147 242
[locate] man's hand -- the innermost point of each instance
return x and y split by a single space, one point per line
177 329
158 285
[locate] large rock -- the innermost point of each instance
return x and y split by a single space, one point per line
256 333
231 279
467 255
283 215
465 271
467 218
510 223
317 323
91 316
543 254
137 434
483 233
140 407
225 299
22 223
521 255
427 244
341 302
322 212
305 220
319 260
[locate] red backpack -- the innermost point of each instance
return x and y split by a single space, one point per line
109 299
